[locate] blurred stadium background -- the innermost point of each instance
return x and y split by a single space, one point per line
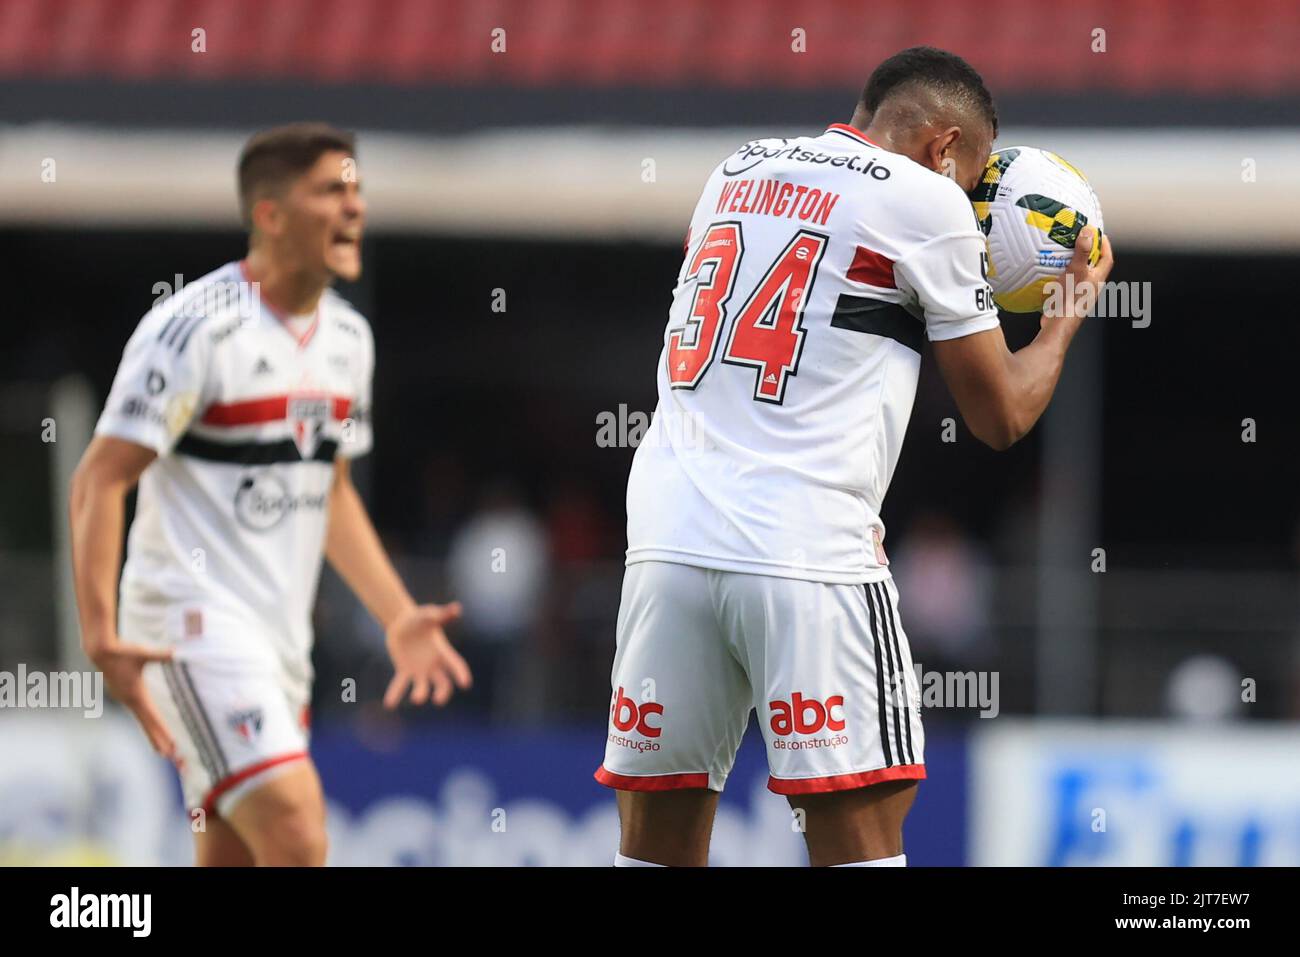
546 156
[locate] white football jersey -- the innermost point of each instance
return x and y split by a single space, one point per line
224 554
814 269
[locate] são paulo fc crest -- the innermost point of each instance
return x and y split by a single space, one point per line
307 417
247 724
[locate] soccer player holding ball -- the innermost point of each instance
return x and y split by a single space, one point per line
238 407
756 577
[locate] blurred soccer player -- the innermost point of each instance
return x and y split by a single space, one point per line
238 414
814 269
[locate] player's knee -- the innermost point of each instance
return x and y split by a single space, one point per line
284 824
884 804
296 838
220 846
667 827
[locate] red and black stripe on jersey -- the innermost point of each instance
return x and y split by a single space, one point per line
259 411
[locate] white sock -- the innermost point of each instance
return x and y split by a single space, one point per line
621 861
899 861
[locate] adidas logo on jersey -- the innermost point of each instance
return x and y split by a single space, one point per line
263 367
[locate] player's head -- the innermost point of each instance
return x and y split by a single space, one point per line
933 107
300 196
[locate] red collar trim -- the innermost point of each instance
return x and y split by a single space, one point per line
280 314
852 131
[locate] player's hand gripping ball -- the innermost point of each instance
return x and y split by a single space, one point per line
1031 205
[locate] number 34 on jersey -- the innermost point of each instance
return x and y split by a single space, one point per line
767 333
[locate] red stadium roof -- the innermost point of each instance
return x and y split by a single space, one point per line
1193 47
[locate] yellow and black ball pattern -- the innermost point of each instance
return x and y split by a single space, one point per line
1031 205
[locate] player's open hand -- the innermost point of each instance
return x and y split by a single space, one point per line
423 657
1081 285
123 668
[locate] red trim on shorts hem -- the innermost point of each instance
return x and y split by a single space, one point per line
650 782
845 782
225 784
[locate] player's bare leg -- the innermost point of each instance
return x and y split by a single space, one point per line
847 827
667 827
283 821
218 845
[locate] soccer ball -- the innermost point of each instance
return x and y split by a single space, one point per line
1031 205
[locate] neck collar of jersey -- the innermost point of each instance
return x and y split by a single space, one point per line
852 131
281 316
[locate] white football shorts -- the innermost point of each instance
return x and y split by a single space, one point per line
237 720
826 666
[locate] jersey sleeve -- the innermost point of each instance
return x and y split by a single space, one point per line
358 432
946 272
160 382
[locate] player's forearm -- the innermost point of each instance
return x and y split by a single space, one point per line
353 549
1032 373
97 513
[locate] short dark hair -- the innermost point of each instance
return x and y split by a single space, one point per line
273 158
939 70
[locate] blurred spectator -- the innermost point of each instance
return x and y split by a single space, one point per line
441 504
1204 688
576 647
579 528
1293 657
944 588
498 569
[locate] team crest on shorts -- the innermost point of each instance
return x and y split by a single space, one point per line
307 417
247 723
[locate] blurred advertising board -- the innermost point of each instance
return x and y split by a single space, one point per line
77 791
1065 793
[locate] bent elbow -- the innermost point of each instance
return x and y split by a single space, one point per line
1001 433
1000 441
